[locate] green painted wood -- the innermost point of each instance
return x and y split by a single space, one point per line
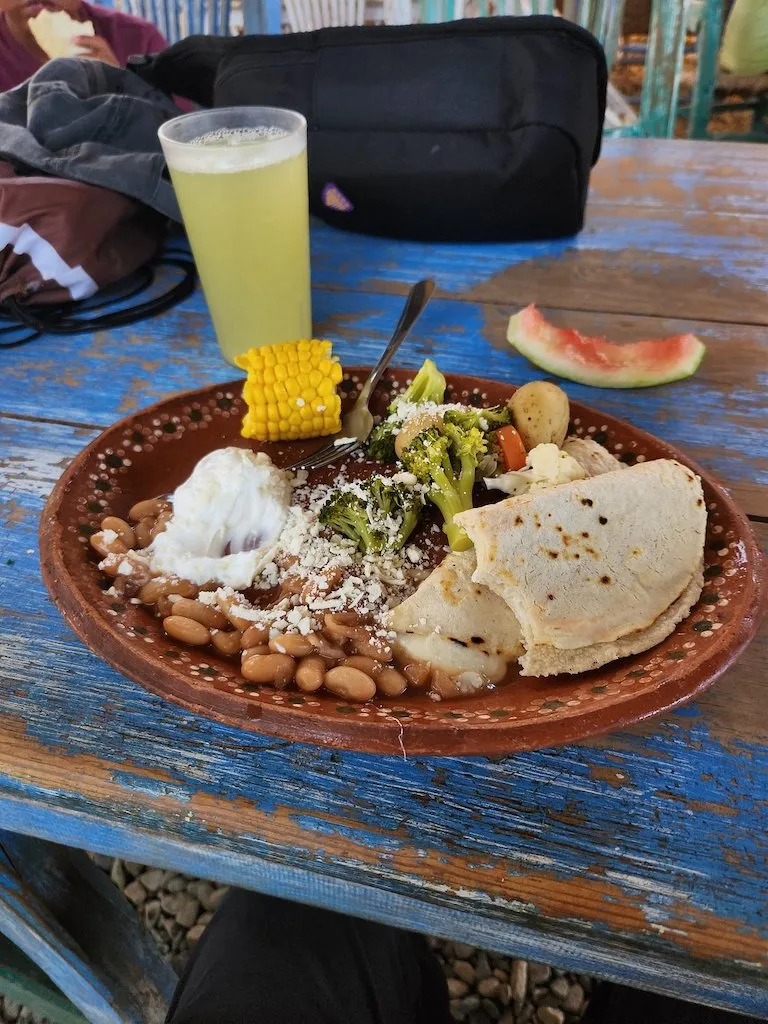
22 981
663 66
707 57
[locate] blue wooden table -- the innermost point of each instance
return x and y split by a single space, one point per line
639 856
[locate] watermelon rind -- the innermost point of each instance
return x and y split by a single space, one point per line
540 343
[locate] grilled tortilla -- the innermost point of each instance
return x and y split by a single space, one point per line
456 624
595 562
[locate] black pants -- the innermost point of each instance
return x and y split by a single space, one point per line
264 960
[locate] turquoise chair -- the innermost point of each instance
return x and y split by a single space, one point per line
710 31
603 18
177 19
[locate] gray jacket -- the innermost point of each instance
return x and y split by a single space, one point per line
90 122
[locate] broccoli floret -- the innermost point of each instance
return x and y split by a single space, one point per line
376 514
488 421
484 419
427 386
346 512
446 459
381 442
399 504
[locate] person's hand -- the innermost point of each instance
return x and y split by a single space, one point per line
97 49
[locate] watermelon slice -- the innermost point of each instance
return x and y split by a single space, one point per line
600 363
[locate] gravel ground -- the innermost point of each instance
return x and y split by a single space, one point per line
485 987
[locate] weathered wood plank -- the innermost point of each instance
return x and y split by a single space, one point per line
631 259
637 856
32 925
98 918
719 416
710 177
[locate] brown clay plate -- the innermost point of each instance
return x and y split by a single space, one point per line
155 450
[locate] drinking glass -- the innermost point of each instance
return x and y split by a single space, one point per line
240 177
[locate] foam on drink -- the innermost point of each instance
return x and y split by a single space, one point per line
228 150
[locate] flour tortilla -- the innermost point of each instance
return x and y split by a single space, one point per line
543 660
591 562
55 33
456 624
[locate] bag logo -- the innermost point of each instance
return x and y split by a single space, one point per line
334 199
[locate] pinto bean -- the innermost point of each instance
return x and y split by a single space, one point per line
143 532
107 546
340 625
200 613
226 643
163 607
111 564
121 528
323 646
254 636
149 507
443 684
370 666
163 587
277 669
350 683
391 683
417 673
310 673
366 642
160 524
188 631
291 643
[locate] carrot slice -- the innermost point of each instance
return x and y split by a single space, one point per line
512 448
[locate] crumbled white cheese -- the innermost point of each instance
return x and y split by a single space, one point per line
407 479
404 410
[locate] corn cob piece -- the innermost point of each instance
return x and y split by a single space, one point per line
290 391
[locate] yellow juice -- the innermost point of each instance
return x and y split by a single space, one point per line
246 215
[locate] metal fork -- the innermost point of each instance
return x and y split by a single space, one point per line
358 422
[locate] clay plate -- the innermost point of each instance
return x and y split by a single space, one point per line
155 450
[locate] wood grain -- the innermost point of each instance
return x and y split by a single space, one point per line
719 417
635 856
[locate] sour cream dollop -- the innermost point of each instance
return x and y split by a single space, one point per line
226 519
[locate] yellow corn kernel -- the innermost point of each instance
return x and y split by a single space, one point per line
290 391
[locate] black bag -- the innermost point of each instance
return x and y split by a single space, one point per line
476 130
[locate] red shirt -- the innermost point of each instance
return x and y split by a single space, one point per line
127 36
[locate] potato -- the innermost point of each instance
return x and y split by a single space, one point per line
540 412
